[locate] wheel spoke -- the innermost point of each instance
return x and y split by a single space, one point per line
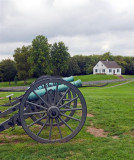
50 132
47 94
42 127
57 121
66 124
66 107
40 98
36 121
70 109
32 113
56 92
34 104
66 99
69 102
62 97
70 117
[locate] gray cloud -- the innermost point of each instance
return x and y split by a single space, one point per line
86 26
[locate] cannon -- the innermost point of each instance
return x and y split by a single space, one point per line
51 110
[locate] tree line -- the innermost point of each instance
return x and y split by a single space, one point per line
41 58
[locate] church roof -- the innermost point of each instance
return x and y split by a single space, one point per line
110 64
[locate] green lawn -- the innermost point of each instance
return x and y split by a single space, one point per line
113 110
92 77
19 83
128 76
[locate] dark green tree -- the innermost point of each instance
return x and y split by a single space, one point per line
73 68
89 69
40 57
60 58
129 65
81 60
122 63
91 61
7 70
107 56
21 56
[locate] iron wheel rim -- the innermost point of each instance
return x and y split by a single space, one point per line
74 132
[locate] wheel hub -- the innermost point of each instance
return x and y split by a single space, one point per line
53 112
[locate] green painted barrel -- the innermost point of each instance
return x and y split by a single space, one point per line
68 79
61 88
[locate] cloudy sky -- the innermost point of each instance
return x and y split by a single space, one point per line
85 26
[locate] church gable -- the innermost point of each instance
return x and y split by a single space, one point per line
107 67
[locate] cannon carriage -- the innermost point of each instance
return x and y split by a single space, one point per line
51 110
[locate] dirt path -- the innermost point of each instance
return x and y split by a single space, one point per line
105 81
121 84
14 89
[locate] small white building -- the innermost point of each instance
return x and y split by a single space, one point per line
107 67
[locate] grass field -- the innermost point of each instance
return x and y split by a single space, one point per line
19 83
109 109
83 78
128 76
92 77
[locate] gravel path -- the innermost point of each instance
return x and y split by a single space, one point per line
14 89
24 88
121 84
105 81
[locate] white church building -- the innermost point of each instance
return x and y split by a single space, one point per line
107 67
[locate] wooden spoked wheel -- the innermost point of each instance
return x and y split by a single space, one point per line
52 110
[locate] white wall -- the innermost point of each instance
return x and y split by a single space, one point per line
114 71
100 66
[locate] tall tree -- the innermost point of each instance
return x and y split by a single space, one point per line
129 65
107 56
60 58
21 56
122 62
81 60
7 70
73 68
91 62
40 57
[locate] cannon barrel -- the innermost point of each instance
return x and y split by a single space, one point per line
68 79
61 88
49 111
